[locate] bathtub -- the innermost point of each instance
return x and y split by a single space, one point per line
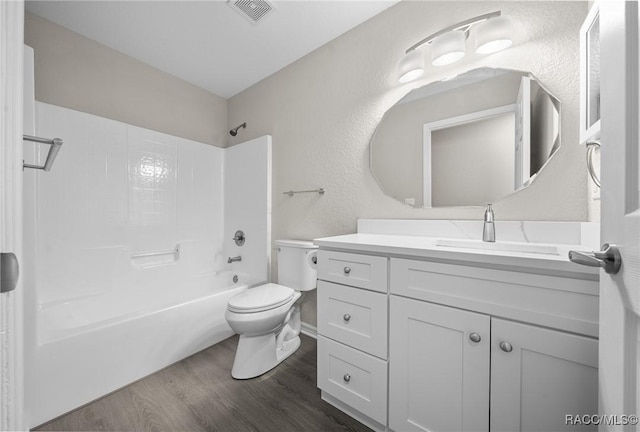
91 346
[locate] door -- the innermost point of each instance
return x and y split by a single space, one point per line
539 376
11 364
620 293
438 368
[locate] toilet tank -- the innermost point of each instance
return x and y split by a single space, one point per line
296 264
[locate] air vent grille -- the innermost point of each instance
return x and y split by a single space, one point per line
252 10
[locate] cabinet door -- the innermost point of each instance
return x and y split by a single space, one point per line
540 377
439 377
590 76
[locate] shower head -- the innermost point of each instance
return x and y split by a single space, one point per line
234 131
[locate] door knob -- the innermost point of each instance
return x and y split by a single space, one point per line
608 258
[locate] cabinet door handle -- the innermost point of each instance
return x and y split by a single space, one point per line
506 347
346 317
347 270
346 378
475 337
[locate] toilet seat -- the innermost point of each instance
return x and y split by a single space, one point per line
260 298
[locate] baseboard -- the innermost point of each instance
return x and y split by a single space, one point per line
309 330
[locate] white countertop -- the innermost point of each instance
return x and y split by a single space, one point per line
427 248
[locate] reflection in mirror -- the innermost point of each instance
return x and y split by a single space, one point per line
466 141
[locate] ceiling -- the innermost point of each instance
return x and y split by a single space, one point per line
207 43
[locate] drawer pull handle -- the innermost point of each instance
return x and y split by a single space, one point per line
347 270
475 337
346 378
346 317
506 347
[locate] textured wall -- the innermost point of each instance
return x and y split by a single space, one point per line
323 109
75 72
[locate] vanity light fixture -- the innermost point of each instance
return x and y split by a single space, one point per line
448 44
493 35
448 48
411 66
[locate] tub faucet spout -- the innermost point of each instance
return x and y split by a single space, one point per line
234 259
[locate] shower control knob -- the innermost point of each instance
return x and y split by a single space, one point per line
475 337
506 347
346 317
346 378
347 270
239 238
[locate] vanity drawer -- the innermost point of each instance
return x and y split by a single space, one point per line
355 378
362 271
563 303
353 316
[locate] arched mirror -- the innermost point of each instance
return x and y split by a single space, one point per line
466 141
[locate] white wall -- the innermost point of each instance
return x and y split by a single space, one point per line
323 109
247 205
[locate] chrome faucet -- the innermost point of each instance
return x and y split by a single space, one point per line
234 259
489 229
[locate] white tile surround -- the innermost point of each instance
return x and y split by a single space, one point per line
247 194
102 317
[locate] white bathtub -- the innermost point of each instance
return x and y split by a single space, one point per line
87 350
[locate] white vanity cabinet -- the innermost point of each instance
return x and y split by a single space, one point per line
415 343
474 370
450 368
439 368
542 376
352 334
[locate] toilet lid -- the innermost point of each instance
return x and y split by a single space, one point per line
261 298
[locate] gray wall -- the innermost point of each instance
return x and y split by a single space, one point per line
482 151
75 72
323 109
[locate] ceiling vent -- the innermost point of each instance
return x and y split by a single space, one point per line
253 11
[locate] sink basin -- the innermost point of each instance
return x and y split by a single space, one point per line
499 246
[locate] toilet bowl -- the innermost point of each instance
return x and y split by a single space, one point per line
267 317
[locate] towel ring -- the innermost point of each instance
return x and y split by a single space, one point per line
591 149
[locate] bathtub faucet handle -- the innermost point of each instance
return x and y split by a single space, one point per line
234 259
239 238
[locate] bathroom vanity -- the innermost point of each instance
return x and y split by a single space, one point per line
440 331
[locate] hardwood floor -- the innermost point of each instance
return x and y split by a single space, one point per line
198 394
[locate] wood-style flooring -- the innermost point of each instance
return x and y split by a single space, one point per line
198 394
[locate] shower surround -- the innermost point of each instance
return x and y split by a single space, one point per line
126 247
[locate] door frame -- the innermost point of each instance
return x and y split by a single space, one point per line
11 303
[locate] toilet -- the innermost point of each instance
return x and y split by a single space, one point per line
267 317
